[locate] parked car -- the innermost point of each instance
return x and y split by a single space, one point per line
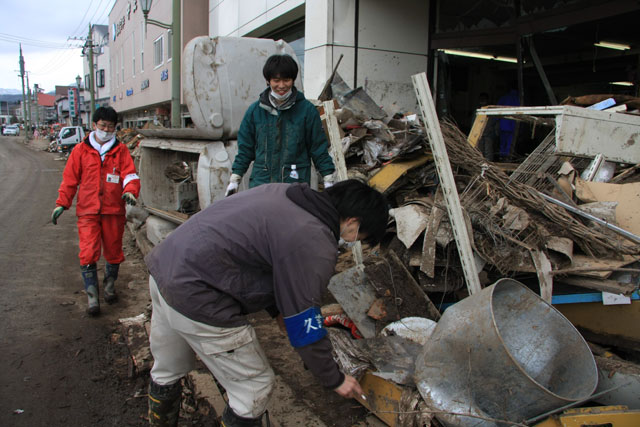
68 138
11 130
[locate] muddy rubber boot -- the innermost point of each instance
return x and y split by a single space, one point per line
90 278
230 419
164 404
110 276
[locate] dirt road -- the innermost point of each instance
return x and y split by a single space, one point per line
63 368
59 367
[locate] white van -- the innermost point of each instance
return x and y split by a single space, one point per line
68 138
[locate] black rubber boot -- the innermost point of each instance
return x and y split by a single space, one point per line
90 279
164 404
110 276
230 419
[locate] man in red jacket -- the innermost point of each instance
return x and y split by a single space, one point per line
101 171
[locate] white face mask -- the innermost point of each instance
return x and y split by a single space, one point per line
280 97
348 245
104 136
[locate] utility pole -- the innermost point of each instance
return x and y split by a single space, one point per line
28 128
91 73
24 101
176 60
88 51
35 89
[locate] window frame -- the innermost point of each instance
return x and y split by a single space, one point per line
133 54
157 64
143 37
100 77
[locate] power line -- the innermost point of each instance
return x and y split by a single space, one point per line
104 13
97 8
80 25
55 63
33 42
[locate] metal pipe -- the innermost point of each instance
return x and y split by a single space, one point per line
622 232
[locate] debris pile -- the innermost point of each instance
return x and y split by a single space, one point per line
516 225
565 221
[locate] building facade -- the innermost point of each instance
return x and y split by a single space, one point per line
468 48
140 58
383 42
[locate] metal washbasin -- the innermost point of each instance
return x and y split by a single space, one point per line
503 354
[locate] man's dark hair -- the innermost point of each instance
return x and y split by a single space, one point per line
108 114
354 199
280 66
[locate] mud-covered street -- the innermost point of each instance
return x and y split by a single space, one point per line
59 367
62 367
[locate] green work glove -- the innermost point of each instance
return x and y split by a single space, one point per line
129 198
56 213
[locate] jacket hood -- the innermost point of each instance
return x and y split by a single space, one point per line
317 204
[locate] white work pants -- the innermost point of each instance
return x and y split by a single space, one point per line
233 355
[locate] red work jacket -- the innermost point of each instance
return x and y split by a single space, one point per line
100 184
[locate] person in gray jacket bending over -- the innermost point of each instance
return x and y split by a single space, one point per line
272 247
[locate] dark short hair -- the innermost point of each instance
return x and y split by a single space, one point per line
280 66
108 114
354 199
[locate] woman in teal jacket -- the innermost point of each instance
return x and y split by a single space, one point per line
281 133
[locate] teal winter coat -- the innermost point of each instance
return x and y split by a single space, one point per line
277 139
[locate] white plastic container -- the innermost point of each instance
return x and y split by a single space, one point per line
222 77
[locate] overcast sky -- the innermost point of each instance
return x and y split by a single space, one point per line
43 27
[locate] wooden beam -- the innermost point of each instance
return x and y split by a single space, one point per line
479 124
335 148
447 182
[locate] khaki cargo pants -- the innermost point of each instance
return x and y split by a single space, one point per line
233 355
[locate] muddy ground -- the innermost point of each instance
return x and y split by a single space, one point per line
61 367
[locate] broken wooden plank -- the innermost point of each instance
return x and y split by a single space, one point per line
393 282
599 268
383 398
335 148
479 124
624 174
137 340
543 271
391 172
173 216
602 285
441 158
205 387
428 262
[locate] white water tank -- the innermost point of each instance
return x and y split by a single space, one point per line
222 77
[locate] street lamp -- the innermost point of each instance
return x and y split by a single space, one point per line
175 28
78 80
